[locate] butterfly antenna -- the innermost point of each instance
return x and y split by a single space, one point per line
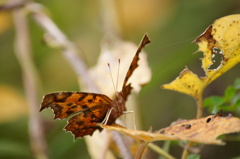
118 73
111 76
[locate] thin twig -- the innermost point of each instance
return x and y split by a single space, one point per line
23 53
110 18
69 50
140 150
199 115
10 5
160 151
185 151
199 106
166 147
123 149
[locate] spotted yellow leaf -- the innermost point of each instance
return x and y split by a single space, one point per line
222 37
187 82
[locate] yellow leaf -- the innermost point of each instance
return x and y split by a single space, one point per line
224 35
187 82
203 130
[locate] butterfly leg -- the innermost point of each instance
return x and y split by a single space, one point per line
127 112
107 117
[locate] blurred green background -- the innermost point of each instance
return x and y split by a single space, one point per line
172 25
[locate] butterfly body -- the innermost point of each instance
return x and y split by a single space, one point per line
86 110
118 108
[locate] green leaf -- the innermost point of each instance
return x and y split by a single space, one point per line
227 108
229 93
236 100
213 101
237 83
13 149
193 156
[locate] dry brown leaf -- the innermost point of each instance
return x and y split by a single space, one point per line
141 136
203 130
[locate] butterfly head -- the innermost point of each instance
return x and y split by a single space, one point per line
119 103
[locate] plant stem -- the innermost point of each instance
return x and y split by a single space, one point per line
199 115
122 146
160 151
23 53
140 150
69 49
185 151
199 106
165 147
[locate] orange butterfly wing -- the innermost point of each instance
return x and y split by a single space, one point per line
121 97
88 110
126 89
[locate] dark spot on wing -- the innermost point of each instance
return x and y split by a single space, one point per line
84 106
62 97
82 97
93 121
90 100
57 107
75 106
69 104
126 78
69 112
86 112
93 116
131 67
81 122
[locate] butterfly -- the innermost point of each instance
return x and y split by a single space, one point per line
86 110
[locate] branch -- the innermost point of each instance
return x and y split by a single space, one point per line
69 50
11 5
122 146
23 53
